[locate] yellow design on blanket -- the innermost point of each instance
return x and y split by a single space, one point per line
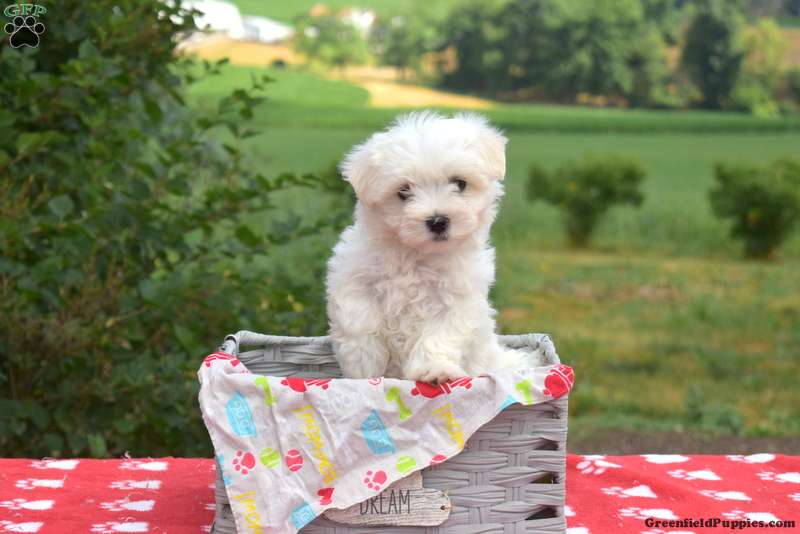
312 432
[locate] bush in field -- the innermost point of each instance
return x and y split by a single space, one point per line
762 202
712 53
585 190
132 237
330 40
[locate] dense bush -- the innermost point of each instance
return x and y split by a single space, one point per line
133 235
763 203
585 190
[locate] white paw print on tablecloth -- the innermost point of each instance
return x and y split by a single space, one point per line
595 464
30 526
795 497
31 483
578 530
121 505
569 512
783 478
114 526
752 516
135 484
702 474
144 465
665 458
64 465
644 513
24 504
725 495
636 491
760 458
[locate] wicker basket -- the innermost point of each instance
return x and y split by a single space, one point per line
509 479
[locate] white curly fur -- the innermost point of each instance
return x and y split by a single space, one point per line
401 302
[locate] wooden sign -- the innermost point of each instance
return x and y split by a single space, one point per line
405 502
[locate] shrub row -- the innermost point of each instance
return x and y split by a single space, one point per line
761 202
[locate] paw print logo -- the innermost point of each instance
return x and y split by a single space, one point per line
376 480
783 478
725 495
704 474
644 513
111 527
244 462
595 464
24 31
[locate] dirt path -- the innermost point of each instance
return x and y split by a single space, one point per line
381 82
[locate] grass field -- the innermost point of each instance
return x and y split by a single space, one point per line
667 327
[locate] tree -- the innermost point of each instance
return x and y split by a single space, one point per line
402 39
330 40
763 68
712 53
127 236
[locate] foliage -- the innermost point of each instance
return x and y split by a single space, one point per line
557 48
401 40
763 203
585 190
133 235
712 53
763 68
330 40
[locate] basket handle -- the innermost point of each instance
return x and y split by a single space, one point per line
242 338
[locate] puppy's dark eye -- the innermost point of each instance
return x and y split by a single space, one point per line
404 193
461 184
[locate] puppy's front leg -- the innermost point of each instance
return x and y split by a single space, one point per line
437 355
354 323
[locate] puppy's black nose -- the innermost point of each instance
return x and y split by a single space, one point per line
438 224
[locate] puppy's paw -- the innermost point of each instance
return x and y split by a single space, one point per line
435 372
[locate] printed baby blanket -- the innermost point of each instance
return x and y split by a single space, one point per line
291 448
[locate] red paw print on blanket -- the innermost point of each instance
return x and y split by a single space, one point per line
376 480
433 390
301 385
244 462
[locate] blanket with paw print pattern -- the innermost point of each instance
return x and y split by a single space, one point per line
291 448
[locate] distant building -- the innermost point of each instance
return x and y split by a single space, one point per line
224 18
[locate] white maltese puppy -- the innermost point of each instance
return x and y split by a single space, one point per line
408 283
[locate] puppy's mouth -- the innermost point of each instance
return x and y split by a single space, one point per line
440 237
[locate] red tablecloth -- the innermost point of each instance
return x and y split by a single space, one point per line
605 494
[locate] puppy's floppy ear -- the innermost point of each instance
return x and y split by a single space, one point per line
360 168
490 143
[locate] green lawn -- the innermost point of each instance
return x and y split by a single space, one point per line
667 326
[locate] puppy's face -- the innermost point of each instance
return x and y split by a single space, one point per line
429 182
